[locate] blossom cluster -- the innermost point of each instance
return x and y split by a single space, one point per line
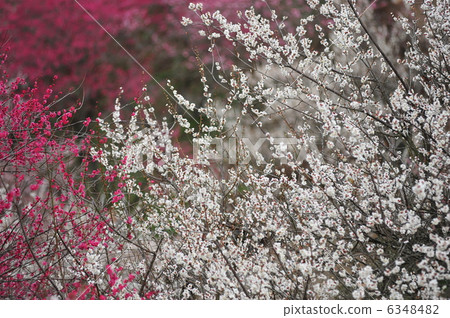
353 204
364 214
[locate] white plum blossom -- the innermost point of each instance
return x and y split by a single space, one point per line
355 205
420 189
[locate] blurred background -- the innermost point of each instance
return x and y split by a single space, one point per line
56 37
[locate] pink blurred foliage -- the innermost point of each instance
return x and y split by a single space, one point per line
58 37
